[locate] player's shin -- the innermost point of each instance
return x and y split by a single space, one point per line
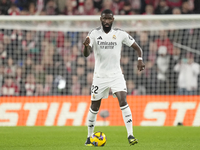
127 116
91 120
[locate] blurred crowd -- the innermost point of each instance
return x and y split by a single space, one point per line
94 7
34 63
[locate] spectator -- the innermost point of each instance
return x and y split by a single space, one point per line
73 36
30 45
66 49
80 71
185 8
138 6
32 9
28 66
3 54
176 11
120 3
149 10
10 67
98 4
48 58
44 44
39 73
191 5
18 77
162 8
16 35
9 88
188 75
69 8
89 8
40 6
48 85
4 6
8 46
150 69
30 85
126 9
56 38
144 41
16 45
131 89
80 5
82 36
90 62
89 78
126 65
51 8
39 90
67 69
68 66
108 4
13 10
75 53
164 40
86 90
76 86
152 53
173 76
162 69
139 81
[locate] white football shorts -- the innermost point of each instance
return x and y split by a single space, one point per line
101 86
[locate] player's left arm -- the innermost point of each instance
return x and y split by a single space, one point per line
140 65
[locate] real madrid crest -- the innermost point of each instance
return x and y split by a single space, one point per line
114 37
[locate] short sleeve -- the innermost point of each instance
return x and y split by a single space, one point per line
128 40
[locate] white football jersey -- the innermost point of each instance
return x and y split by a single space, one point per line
107 50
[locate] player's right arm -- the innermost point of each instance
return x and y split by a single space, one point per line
87 48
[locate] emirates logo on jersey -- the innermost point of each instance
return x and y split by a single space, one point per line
106 45
114 37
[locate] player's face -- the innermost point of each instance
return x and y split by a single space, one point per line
106 21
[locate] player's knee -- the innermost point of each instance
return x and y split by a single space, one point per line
122 103
95 106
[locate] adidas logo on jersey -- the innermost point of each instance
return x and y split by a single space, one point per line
99 38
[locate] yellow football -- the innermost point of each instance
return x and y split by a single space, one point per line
98 139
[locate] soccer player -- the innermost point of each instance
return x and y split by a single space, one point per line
106 43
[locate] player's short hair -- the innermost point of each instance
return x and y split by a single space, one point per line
106 11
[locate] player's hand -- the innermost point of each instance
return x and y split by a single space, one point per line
140 65
87 41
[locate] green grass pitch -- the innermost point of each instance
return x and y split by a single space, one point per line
73 138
